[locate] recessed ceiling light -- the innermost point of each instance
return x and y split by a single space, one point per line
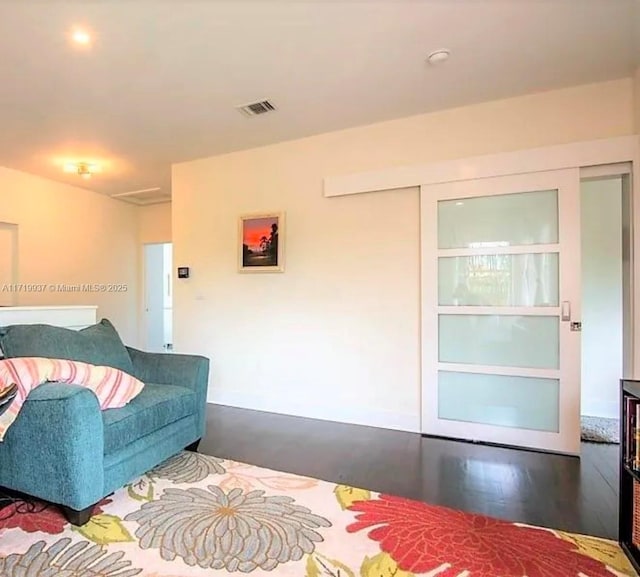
438 56
81 37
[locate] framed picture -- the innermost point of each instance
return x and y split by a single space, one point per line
261 240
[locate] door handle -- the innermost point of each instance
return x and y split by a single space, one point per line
565 311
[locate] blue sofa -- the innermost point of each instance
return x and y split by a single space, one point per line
64 450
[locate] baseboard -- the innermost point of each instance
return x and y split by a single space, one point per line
352 415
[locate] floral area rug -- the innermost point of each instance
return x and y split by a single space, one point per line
197 516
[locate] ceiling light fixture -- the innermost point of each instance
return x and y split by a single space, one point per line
82 169
81 37
438 56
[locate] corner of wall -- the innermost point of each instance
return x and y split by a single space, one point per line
636 100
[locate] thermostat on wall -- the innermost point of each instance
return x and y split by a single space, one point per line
183 272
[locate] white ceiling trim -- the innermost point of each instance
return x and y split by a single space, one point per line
143 202
556 157
140 201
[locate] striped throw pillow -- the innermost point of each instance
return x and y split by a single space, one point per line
113 387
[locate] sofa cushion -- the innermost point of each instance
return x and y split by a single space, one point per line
155 407
98 344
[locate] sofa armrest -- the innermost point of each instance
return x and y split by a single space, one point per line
169 368
190 371
54 448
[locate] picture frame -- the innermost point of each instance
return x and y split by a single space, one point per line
260 245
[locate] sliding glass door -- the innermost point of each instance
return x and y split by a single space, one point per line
501 310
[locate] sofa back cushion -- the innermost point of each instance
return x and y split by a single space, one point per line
98 344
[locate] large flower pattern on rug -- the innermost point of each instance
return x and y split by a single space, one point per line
64 559
421 538
196 515
233 531
188 467
36 516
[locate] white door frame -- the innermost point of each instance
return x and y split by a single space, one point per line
606 151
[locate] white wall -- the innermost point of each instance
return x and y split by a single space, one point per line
8 262
154 223
337 335
69 235
601 296
636 93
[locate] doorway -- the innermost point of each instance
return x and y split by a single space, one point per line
158 297
606 300
526 305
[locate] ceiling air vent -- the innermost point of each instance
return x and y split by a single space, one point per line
257 108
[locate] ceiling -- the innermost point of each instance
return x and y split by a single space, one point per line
162 78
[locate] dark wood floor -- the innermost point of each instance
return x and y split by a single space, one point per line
578 495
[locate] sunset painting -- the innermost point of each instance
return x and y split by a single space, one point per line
261 237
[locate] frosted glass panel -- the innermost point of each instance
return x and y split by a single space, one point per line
522 280
502 220
502 340
520 402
